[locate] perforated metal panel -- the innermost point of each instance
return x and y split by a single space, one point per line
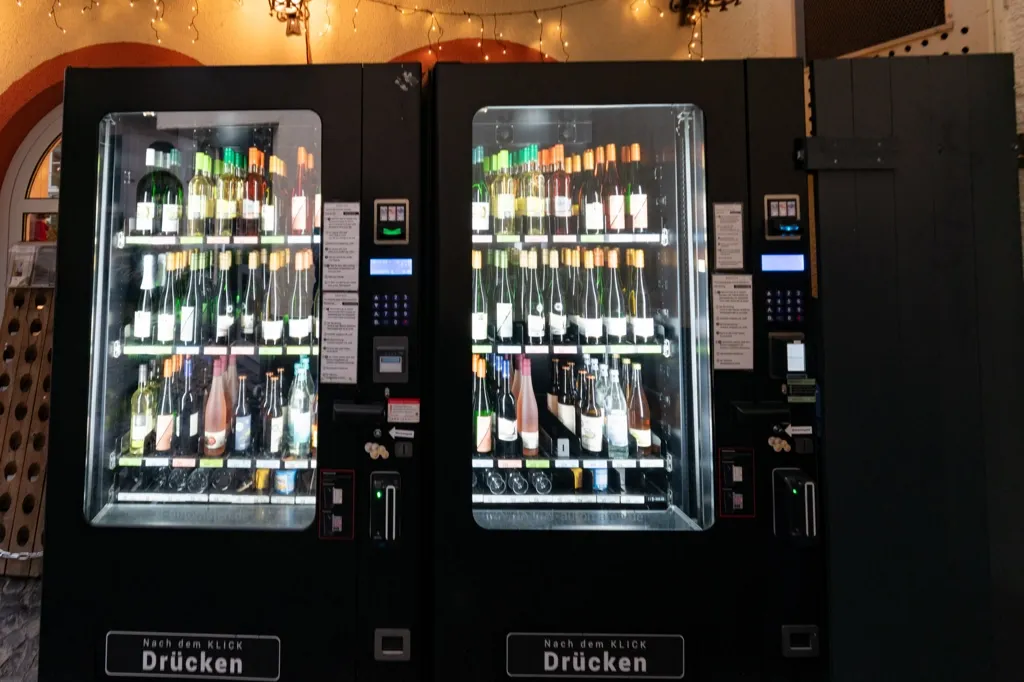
837 27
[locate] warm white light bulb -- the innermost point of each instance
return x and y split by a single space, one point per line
487 58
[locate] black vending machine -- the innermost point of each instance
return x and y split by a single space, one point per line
637 493
239 375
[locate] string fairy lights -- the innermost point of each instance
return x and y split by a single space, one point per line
192 24
54 4
158 16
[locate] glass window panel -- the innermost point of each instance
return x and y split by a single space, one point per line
589 333
203 394
40 227
45 182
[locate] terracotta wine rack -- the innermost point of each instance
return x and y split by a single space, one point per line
26 340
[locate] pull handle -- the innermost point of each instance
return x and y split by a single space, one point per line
390 513
358 410
810 509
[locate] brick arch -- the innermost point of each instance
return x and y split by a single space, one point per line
36 93
467 50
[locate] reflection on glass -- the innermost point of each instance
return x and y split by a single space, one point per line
589 319
40 227
45 182
201 406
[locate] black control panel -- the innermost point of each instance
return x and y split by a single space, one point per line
392 310
784 305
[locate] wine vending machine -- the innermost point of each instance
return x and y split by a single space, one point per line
239 336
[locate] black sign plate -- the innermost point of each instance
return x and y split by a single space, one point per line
552 654
187 655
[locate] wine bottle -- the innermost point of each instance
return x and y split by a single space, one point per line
557 320
555 389
142 321
273 419
215 420
301 218
314 428
226 212
142 415
272 315
616 418
559 195
224 311
503 198
298 316
250 301
299 422
505 408
567 399
615 310
636 191
187 422
535 192
478 326
253 193
533 298
613 194
575 287
503 305
591 422
627 379
166 315
590 199
315 191
589 310
481 200
580 386
482 411
200 199
165 413
526 412
643 315
639 413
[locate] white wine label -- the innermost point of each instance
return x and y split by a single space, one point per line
193 424
593 217
567 415
504 206
272 330
317 209
196 204
642 436
481 216
250 209
188 318
141 426
142 324
504 319
170 218
535 325
638 211
164 432
616 326
616 212
591 433
483 433
268 217
507 429
298 328
145 212
243 432
534 207
557 323
298 428
276 434
618 430
165 327
590 327
298 215
226 209
479 328
215 440
563 207
248 324
224 323
643 327
552 403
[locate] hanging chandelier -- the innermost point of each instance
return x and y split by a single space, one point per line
690 11
294 14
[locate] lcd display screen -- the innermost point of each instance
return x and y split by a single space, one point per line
782 262
390 267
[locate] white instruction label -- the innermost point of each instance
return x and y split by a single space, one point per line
404 411
341 246
733 320
339 337
728 236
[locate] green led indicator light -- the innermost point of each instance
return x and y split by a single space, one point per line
794 492
392 231
379 493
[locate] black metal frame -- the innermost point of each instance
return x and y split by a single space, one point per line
727 590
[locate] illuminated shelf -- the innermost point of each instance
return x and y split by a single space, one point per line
215 498
595 498
245 350
217 462
568 349
519 240
217 240
568 463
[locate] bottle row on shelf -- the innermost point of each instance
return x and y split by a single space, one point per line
213 240
598 414
532 191
184 300
224 486
600 487
558 301
223 199
203 418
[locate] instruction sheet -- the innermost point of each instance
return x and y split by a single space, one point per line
339 332
733 321
728 236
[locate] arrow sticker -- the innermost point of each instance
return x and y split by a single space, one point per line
397 433
798 430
